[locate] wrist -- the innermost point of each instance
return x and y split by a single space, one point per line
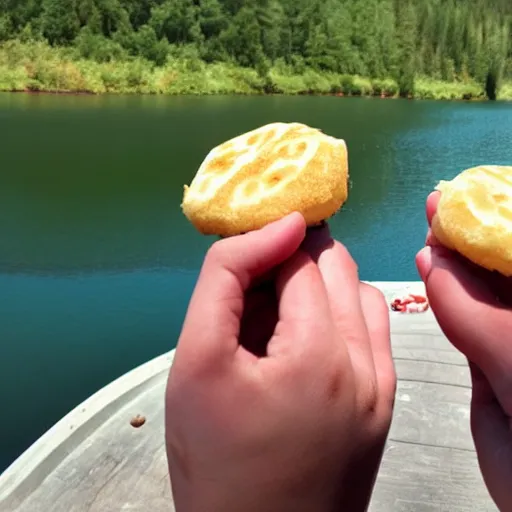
228 498
235 499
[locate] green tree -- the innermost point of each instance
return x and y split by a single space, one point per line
406 26
6 27
59 21
242 38
456 40
177 21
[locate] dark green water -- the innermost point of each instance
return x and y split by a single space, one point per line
96 260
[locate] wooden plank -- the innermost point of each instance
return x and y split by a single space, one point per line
432 372
426 347
415 322
416 478
433 414
424 344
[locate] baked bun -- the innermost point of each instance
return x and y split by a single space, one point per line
474 216
265 174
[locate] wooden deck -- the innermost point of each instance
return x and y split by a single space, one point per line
94 460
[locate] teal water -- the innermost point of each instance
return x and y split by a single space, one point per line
97 262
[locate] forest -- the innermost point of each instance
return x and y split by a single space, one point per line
411 48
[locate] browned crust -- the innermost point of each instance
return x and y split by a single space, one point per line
318 192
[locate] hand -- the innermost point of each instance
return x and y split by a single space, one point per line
473 308
281 392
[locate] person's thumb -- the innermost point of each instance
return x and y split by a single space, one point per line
462 304
212 323
469 314
491 432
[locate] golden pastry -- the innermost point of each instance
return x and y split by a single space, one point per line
265 174
474 216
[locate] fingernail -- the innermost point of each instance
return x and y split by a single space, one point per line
424 263
433 256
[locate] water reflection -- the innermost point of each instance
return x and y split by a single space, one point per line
97 262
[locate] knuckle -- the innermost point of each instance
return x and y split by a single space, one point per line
219 253
216 250
368 401
388 388
382 426
370 398
377 395
377 413
335 383
353 336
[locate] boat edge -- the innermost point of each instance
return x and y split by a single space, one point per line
31 468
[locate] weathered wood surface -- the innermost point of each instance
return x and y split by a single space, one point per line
429 464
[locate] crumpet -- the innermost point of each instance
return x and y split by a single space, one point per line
474 216
265 174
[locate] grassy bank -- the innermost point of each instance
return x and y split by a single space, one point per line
40 68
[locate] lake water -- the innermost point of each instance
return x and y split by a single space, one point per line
97 262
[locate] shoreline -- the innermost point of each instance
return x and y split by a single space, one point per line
64 92
38 68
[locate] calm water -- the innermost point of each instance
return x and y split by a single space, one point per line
97 261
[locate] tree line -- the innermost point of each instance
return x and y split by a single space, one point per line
450 40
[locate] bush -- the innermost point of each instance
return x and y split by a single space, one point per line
505 92
99 65
12 79
438 90
386 87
